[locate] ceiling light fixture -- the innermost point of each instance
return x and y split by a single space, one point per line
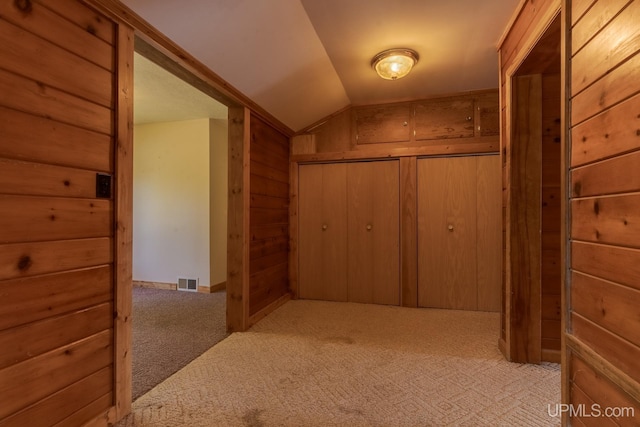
393 64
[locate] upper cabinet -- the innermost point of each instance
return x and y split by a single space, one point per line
454 117
467 123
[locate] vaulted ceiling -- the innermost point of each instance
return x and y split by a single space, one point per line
302 60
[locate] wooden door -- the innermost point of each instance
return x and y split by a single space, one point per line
59 76
322 253
447 233
374 234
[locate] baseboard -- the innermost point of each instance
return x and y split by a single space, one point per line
211 289
552 356
156 285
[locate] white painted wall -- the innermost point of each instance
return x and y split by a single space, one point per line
171 186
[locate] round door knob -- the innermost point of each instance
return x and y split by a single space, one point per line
450 227
324 227
369 227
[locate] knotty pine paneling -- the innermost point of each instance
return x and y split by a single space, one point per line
69 400
268 215
58 67
28 55
605 277
22 384
35 258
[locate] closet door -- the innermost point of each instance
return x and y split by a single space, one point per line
447 233
322 245
373 229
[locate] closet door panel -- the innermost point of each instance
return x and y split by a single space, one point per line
373 227
447 233
323 232
489 244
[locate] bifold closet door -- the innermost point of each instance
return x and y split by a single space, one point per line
322 245
447 233
373 230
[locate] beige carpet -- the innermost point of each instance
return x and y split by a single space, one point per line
315 363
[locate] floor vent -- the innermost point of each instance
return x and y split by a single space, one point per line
187 284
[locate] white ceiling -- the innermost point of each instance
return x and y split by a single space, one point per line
302 60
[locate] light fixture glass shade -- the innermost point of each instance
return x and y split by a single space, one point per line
394 64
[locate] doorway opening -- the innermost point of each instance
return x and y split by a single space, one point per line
179 217
535 203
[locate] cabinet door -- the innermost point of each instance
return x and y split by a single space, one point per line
322 245
447 233
373 212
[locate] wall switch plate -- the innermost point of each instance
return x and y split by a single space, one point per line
103 186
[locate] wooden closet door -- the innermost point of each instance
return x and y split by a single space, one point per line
322 246
447 233
373 212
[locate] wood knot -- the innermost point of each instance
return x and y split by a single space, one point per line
67 183
577 188
24 263
91 29
24 6
596 208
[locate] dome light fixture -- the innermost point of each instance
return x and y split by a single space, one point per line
393 64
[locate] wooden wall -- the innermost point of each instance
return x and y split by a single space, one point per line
268 215
603 338
63 79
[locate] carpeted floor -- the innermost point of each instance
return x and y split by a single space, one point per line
314 363
170 329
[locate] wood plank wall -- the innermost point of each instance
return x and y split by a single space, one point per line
57 74
269 216
604 335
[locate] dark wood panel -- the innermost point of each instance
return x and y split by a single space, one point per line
30 56
612 263
263 263
619 352
261 248
56 407
33 339
611 220
607 49
43 100
39 20
268 286
260 232
550 329
36 298
612 306
551 307
29 219
268 202
268 187
87 415
602 390
36 179
30 259
261 216
607 177
82 16
26 383
489 114
260 169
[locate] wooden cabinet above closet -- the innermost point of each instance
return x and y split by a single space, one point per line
461 124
